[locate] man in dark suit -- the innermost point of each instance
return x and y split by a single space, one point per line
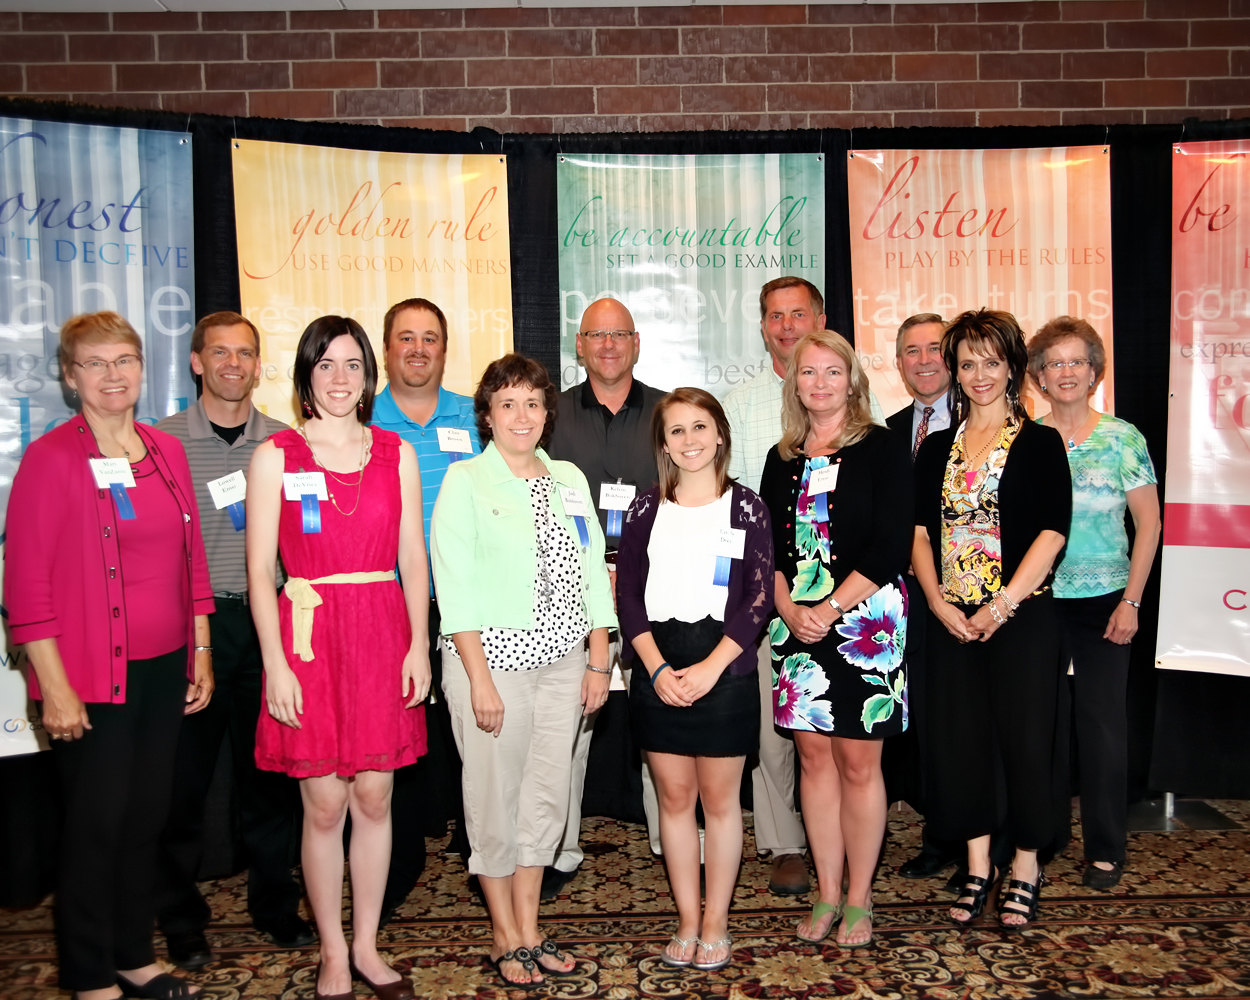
918 350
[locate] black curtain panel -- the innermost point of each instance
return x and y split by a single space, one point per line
1184 725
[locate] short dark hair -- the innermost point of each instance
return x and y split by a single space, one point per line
986 331
791 281
389 320
666 468
513 370
313 344
223 318
1062 328
908 323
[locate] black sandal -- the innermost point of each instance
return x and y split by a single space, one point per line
549 947
981 887
162 986
1027 904
526 959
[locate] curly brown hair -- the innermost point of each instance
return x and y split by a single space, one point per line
513 370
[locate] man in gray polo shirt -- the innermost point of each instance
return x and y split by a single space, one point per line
220 432
603 426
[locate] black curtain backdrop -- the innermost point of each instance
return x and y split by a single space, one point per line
1185 726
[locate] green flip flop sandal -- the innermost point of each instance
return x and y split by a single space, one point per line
818 913
853 915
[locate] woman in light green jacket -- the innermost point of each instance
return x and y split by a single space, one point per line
522 591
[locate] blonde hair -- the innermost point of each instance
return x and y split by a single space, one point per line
96 328
796 424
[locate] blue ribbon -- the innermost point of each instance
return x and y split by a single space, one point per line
312 513
238 515
583 533
125 509
820 507
720 578
614 523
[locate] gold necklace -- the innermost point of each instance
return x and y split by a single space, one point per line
975 461
360 477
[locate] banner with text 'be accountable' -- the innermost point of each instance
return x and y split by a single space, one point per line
946 230
350 232
686 242
1204 621
91 218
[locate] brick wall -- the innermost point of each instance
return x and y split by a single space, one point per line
654 69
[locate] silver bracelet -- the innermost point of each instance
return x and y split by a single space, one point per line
833 603
1010 603
598 670
207 649
996 614
1136 604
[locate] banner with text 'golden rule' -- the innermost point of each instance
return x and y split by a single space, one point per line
324 231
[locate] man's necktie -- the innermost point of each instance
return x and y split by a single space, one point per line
922 431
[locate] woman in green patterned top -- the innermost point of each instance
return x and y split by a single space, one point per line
1098 585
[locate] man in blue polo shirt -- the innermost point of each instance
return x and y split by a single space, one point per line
441 426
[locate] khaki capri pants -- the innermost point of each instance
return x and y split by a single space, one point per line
516 785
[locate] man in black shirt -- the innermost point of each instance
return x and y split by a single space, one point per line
603 426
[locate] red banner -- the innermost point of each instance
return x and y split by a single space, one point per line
1206 523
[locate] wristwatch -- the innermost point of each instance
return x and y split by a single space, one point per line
833 603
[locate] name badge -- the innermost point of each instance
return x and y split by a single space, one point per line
230 492
616 496
574 502
298 485
454 439
108 471
729 542
823 480
229 489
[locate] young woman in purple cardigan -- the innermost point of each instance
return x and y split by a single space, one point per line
694 591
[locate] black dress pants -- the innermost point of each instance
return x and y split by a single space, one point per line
916 742
427 794
1100 670
993 725
267 806
115 782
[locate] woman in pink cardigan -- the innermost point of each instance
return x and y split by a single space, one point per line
107 588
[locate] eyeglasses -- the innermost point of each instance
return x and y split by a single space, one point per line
98 366
605 334
1058 366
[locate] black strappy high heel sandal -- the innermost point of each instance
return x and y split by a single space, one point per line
981 887
1027 904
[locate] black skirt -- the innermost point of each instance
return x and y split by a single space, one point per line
725 722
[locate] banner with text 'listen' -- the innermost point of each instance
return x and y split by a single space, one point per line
945 230
1204 623
351 232
686 242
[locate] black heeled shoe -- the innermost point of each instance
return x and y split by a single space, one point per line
980 887
1027 904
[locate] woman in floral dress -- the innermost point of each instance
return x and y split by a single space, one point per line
841 541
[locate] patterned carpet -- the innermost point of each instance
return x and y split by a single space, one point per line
1177 926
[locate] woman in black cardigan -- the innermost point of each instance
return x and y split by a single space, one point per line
838 492
993 505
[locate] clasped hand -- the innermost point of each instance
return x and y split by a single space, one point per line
682 688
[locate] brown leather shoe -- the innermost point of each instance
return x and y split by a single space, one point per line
789 875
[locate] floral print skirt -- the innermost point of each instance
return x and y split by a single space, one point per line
852 683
